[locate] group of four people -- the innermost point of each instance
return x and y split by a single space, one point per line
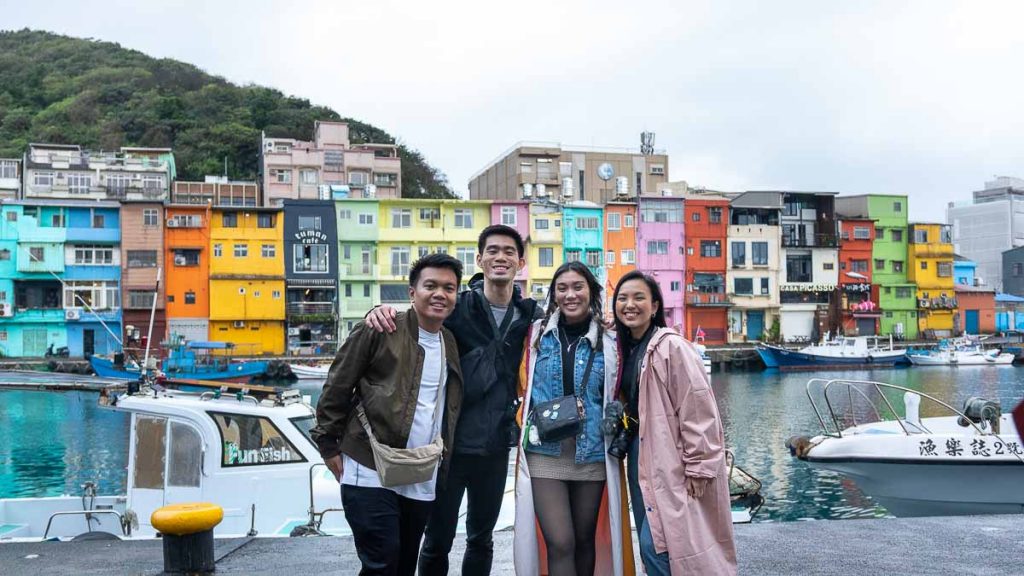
421 409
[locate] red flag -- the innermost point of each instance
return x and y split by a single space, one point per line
1018 419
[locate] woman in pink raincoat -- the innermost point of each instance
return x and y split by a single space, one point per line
678 482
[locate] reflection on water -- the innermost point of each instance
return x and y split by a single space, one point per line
50 443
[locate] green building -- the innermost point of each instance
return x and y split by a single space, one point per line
895 295
358 287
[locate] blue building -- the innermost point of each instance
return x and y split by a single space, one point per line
583 236
964 270
92 277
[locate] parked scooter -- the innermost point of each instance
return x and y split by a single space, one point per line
61 352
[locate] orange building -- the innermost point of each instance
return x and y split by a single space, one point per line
859 312
706 219
186 245
976 310
619 244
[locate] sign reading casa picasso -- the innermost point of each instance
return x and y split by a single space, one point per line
807 287
311 237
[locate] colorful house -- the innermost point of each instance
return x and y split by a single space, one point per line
659 239
358 231
247 280
930 258
409 229
187 277
619 244
753 257
142 259
976 310
92 284
545 253
707 306
895 295
462 222
809 260
311 276
583 236
858 312
515 213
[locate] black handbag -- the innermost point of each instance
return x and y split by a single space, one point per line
561 418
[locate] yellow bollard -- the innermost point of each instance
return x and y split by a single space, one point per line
188 536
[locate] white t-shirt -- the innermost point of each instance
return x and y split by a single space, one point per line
424 426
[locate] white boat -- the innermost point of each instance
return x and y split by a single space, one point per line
964 351
968 462
306 372
704 357
839 352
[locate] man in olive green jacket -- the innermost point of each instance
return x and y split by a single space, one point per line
399 379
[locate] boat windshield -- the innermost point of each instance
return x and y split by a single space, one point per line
305 424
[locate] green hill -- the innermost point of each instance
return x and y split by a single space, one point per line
67 90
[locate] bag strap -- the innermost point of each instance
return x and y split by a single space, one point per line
569 388
506 322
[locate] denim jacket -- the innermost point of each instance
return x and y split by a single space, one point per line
545 383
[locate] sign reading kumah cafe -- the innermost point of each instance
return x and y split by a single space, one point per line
311 237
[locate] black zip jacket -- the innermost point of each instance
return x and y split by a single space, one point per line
488 386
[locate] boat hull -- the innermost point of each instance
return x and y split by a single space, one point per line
776 357
971 360
238 370
309 372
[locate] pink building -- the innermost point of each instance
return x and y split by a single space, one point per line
659 239
329 167
514 213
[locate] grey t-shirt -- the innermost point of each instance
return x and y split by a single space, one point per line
499 313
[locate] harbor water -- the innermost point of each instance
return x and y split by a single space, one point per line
53 442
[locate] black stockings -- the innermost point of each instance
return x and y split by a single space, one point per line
567 512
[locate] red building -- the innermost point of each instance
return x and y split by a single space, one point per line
707 306
858 302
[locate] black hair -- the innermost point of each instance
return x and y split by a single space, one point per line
435 261
500 230
652 285
596 312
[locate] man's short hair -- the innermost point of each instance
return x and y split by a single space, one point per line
500 230
435 261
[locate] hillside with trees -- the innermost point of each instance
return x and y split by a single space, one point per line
64 90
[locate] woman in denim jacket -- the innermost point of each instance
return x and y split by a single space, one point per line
561 485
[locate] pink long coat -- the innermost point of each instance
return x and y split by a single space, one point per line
681 435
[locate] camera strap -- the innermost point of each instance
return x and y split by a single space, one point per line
569 388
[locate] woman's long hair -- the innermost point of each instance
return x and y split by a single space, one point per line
596 310
656 297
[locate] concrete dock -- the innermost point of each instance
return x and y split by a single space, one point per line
963 545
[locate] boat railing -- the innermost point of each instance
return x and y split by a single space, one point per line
743 487
126 529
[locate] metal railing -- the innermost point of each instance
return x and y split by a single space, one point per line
310 308
694 298
812 241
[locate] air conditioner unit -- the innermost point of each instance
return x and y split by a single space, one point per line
179 260
173 223
293 331
5 310
238 323
72 313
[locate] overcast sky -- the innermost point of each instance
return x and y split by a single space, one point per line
920 98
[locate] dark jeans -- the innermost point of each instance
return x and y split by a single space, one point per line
482 479
386 527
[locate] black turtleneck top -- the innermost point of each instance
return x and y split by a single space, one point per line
633 353
571 337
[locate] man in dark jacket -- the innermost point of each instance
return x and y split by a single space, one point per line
408 384
489 323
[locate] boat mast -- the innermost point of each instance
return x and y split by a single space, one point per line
152 317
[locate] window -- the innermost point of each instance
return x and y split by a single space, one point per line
229 220
558 223
241 250
265 220
152 183
609 257
36 253
348 290
358 179
218 250
508 215
628 256
334 160
385 179
860 266
593 258
945 235
861 233
710 248
468 258
1018 269
759 253
142 258
140 299
828 265
588 223
98 220
904 292
252 441
275 294
308 176
798 268
547 257
309 222
365 259
79 183
657 247
541 224
400 261
897 207
897 235
463 218
879 264
8 169
629 221
675 286
920 236
573 255
765 285
367 219
614 221
661 212
185 221
150 448
924 264
897 266
186 257
366 290
345 214
5 254
12 216
422 251
57 220
715 215
98 294
402 218
150 217
185 466
657 169
281 175
93 255
268 251
739 254
945 269
42 179
695 216
430 213
743 286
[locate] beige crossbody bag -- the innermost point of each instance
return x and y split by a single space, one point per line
403 466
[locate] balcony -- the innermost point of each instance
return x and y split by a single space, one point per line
94 235
813 241
707 299
357 271
309 308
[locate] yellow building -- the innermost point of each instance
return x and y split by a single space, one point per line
544 253
247 303
930 266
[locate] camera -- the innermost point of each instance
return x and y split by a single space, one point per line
511 428
620 427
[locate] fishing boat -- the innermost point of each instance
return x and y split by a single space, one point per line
839 352
705 359
197 360
964 351
966 461
307 372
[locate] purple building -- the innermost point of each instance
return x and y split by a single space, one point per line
659 239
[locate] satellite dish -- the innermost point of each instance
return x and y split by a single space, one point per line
605 171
